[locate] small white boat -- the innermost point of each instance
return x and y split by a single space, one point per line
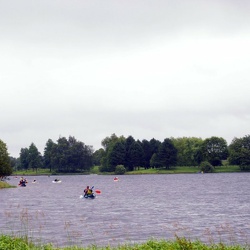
56 181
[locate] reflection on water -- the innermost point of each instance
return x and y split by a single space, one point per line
209 207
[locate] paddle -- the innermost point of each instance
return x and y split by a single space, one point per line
97 191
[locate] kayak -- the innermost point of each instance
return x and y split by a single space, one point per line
57 181
91 196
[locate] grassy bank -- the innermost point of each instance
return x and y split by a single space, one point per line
184 170
39 171
4 184
13 243
175 170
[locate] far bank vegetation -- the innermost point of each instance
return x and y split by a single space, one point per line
120 155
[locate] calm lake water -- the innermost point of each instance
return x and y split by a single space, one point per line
208 207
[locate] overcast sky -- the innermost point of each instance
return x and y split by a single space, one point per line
146 68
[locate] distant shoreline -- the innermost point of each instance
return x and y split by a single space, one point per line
174 170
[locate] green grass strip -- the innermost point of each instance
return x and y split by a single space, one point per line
15 243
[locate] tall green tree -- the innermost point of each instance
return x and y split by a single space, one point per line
75 160
167 154
147 153
97 156
48 154
154 145
70 156
61 155
128 143
24 158
14 163
5 166
135 155
108 159
109 140
235 151
188 150
154 161
240 152
80 157
34 157
215 150
116 155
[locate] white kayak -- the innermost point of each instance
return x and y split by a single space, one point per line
59 181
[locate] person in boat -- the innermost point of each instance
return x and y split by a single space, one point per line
22 182
56 180
88 191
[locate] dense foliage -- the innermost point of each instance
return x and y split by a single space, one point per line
73 156
239 152
120 169
206 167
214 150
5 165
133 154
189 151
65 156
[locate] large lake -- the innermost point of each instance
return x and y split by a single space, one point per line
208 207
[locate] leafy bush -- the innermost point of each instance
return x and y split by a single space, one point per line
103 168
216 162
206 167
120 169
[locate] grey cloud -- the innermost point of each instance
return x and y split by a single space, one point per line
96 23
150 69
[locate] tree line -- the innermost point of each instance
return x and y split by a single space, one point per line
64 156
185 151
127 154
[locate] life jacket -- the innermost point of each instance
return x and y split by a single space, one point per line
89 191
